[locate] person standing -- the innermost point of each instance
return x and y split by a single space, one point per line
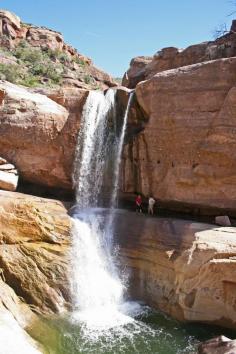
138 202
151 203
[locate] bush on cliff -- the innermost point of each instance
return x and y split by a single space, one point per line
11 72
35 66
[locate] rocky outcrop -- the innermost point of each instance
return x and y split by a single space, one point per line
144 68
136 70
184 268
77 70
10 24
8 175
34 239
185 154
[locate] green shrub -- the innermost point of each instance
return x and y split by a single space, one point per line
38 69
10 72
27 54
79 61
57 54
53 74
88 79
30 81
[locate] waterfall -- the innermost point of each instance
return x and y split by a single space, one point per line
92 147
97 288
119 151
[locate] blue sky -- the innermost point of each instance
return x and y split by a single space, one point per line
112 32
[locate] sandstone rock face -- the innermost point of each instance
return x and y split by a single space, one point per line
39 130
137 68
171 57
184 268
38 135
10 24
34 239
186 152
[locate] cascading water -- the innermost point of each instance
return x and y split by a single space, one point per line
97 288
92 147
102 321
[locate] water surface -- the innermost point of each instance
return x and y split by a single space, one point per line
149 332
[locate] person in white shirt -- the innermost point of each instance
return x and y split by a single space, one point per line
151 203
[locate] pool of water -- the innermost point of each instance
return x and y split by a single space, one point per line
148 332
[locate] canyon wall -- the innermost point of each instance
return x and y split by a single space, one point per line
186 152
187 269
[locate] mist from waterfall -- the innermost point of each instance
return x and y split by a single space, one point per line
97 287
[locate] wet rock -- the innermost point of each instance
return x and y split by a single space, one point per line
218 345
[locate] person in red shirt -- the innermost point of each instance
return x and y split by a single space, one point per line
138 202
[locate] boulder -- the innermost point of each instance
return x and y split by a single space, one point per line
184 268
8 181
185 155
34 253
218 345
222 220
8 175
38 135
